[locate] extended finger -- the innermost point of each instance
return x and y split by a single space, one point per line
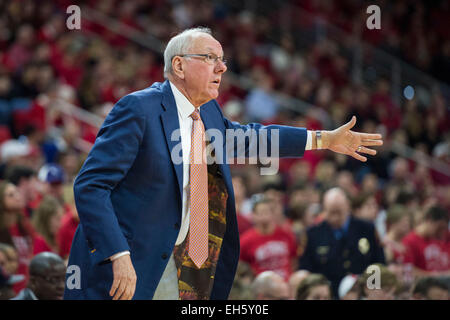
366 151
370 136
358 157
114 287
129 292
350 124
120 290
371 143
126 294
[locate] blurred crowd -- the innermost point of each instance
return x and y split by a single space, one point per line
389 213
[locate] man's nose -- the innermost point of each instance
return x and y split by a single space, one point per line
221 67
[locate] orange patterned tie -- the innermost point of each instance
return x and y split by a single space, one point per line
198 225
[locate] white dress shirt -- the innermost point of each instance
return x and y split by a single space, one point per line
185 109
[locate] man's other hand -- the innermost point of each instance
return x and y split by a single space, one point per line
124 283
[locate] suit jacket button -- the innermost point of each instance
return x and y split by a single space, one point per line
177 226
164 256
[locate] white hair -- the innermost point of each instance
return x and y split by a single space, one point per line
265 282
180 44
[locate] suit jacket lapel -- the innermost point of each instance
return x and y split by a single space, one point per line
170 123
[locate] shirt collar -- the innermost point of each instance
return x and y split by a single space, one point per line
31 293
338 233
185 108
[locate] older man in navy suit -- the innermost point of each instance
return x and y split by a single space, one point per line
156 220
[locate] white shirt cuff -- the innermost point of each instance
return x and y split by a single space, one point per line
308 140
118 255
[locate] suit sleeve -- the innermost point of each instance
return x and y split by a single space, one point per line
291 140
112 155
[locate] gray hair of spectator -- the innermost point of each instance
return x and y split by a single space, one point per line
311 281
436 213
180 44
423 285
42 262
258 199
264 283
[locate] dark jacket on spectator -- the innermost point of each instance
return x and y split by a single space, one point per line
357 248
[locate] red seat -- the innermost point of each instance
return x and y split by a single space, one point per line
5 134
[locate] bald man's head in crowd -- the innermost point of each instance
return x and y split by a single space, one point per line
336 207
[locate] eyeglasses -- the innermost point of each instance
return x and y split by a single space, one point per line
209 58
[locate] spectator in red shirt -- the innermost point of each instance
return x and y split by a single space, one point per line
65 234
16 230
24 178
398 222
267 246
428 246
47 220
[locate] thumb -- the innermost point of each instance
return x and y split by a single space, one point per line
350 124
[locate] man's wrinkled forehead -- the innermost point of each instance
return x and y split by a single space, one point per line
207 44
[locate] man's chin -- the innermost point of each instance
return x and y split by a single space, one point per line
214 93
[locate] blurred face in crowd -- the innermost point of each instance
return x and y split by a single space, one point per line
320 292
8 260
28 188
3 261
294 281
263 217
402 226
438 229
351 295
337 208
369 209
279 290
200 79
56 189
13 200
276 202
49 285
379 294
239 189
55 221
437 293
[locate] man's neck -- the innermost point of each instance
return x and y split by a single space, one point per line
180 86
10 218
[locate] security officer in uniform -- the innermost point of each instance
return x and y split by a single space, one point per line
341 244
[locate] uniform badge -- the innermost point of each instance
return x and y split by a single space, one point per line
322 250
363 245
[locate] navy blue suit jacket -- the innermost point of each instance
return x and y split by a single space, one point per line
129 194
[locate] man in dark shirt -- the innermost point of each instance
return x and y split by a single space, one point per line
47 278
341 244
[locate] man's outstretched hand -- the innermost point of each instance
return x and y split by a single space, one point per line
345 141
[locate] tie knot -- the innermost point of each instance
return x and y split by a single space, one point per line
195 115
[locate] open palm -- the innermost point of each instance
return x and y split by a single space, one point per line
345 141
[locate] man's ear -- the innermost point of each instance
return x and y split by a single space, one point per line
177 67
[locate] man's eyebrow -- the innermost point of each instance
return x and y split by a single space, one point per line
212 50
